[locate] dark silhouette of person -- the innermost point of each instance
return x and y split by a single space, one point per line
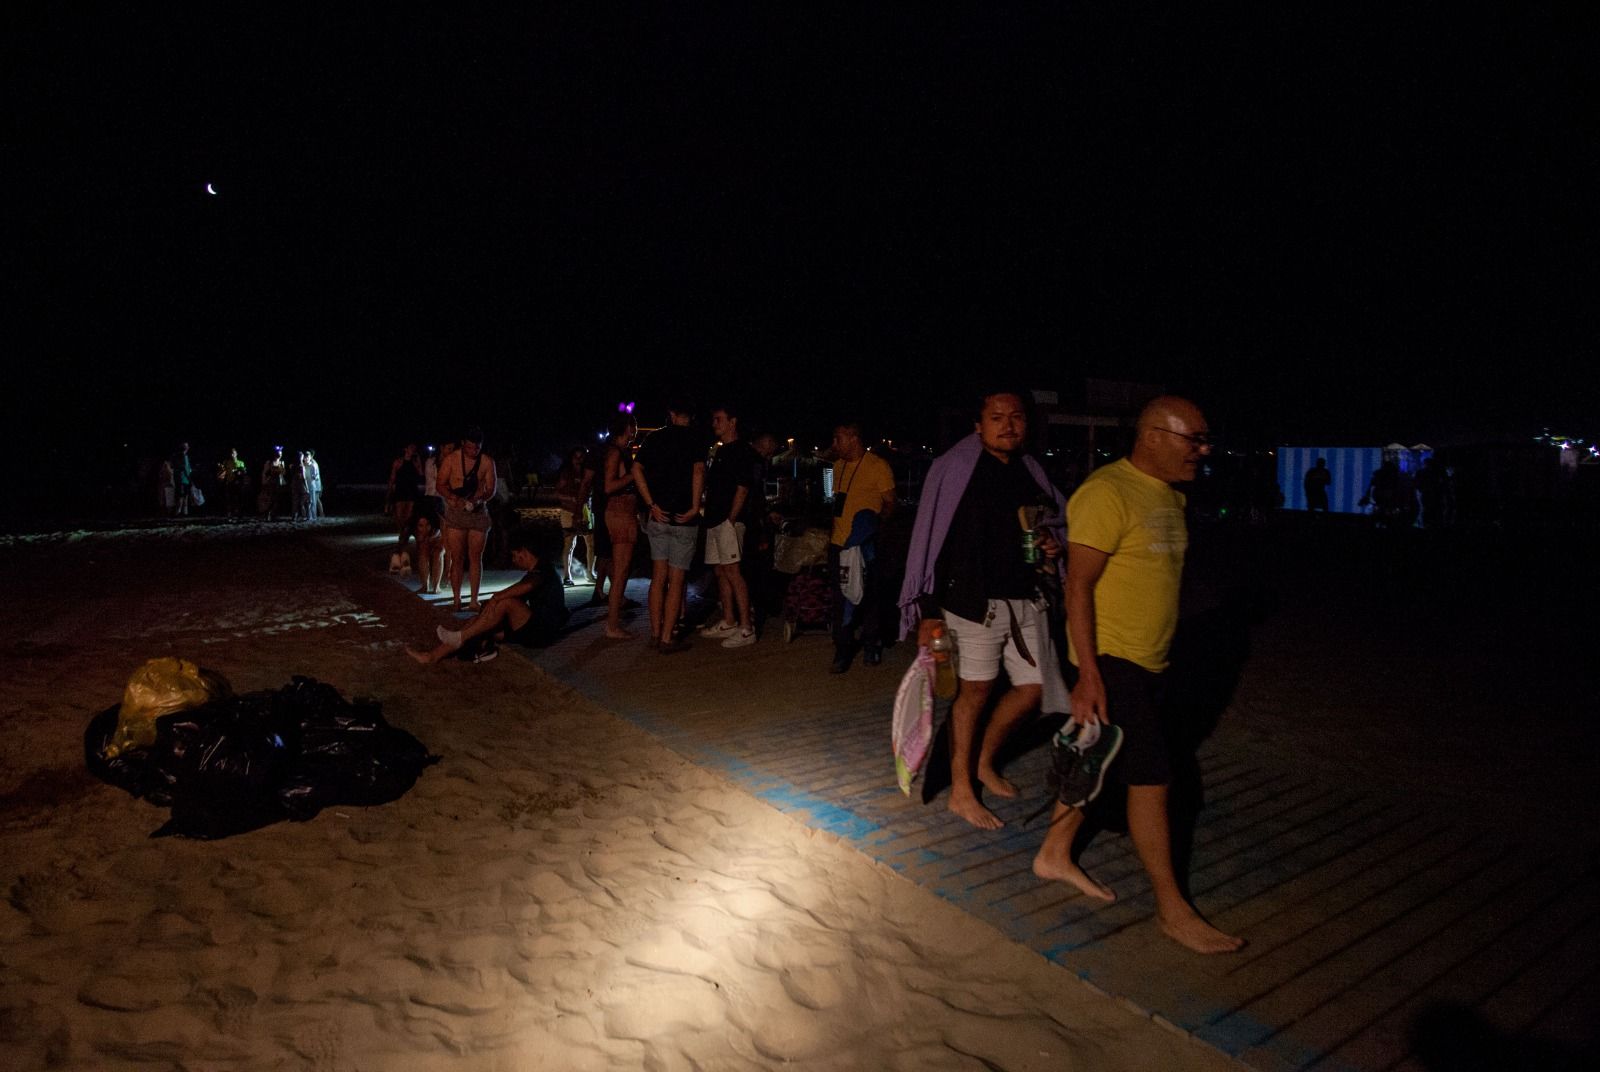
1316 484
1431 489
1386 493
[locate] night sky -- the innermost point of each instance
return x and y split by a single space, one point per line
1335 225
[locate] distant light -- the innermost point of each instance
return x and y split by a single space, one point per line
210 189
625 407
603 435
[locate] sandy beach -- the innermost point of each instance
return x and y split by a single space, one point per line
560 891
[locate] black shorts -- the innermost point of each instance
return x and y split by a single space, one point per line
1133 702
537 633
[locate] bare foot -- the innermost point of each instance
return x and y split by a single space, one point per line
966 805
456 606
995 784
474 605
1074 876
1192 932
421 656
618 634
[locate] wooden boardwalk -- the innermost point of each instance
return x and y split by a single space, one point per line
1383 929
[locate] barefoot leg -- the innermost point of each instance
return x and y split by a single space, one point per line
1013 707
1150 828
1055 862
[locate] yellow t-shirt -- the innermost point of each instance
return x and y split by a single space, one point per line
862 483
1138 521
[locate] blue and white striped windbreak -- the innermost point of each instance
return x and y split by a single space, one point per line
1352 469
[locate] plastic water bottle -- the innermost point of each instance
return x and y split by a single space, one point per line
942 647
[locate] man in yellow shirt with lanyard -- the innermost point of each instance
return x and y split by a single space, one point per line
1126 539
862 482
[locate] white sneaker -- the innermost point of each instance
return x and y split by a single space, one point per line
450 638
741 639
719 629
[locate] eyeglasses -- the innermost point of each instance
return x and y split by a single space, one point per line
1201 441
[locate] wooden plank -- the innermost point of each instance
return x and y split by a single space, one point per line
1386 931
1513 936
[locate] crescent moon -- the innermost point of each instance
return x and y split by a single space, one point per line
211 190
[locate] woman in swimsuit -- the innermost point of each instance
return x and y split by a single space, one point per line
622 516
466 483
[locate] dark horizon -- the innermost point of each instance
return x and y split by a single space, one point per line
1347 227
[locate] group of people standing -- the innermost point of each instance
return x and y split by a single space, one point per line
441 500
291 488
682 494
999 559
287 488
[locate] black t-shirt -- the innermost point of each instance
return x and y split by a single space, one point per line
735 465
407 482
982 556
668 457
545 598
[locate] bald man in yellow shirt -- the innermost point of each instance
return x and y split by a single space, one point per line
1126 539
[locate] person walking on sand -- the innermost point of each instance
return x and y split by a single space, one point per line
969 565
531 612
313 473
274 475
670 474
569 489
182 480
232 474
1126 543
405 488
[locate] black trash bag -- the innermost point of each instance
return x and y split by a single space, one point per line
348 752
220 771
244 762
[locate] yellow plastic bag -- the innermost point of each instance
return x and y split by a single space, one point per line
160 687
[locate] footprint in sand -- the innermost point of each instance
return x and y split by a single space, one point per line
318 1043
549 888
752 904
236 1008
656 1007
667 951
814 988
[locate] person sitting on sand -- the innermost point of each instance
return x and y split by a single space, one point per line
531 612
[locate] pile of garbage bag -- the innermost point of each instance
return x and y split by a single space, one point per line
226 764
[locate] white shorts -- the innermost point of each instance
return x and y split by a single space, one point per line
723 543
982 646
